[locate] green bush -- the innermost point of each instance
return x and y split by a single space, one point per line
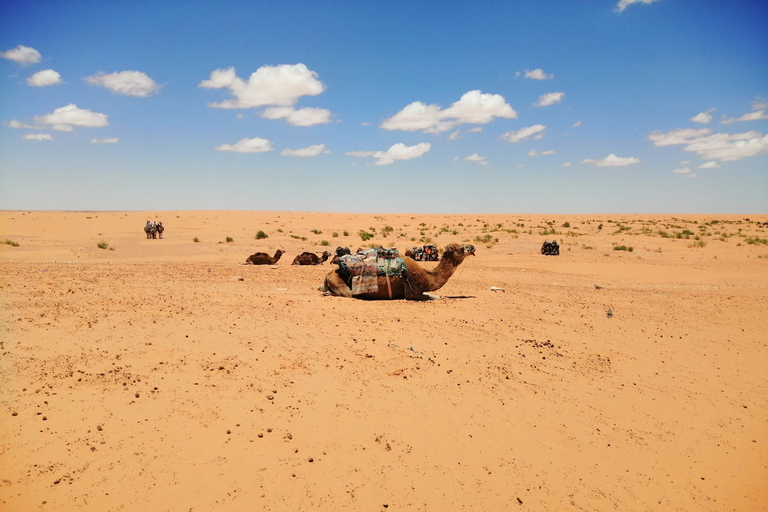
261 235
11 243
230 239
102 245
623 248
365 236
195 239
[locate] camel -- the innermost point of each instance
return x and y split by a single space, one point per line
159 228
310 258
150 229
418 282
262 258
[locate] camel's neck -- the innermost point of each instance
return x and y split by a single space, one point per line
441 274
276 257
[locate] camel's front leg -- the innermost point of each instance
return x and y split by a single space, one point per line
335 285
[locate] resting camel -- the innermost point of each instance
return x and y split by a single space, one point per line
310 258
262 258
419 280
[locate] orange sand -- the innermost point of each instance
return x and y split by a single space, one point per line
147 376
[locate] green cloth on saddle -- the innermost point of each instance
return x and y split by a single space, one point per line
358 269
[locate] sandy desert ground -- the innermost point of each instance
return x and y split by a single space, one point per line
146 375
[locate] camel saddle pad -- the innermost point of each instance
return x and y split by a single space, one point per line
362 269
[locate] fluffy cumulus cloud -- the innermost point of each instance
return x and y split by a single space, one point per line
548 99
15 123
301 117
709 165
398 151
37 136
314 150
65 118
24 55
713 146
481 160
111 140
129 83
536 131
612 161
254 145
537 74
269 85
44 78
474 107
703 117
685 171
623 4
751 116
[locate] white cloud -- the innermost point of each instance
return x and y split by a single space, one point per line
537 74
255 145
302 117
38 136
44 78
577 124
281 85
455 135
240 116
549 99
759 104
752 116
481 160
111 140
533 152
476 129
129 83
703 117
473 107
24 55
314 150
398 151
64 118
691 175
709 165
612 161
15 123
567 164
684 170
623 4
714 146
679 136
524 133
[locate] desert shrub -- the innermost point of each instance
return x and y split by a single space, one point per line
297 237
11 243
698 244
316 231
230 239
566 224
335 234
195 239
600 226
325 242
261 235
753 240
102 245
365 236
346 233
388 229
623 248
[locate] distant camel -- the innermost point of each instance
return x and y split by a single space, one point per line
159 227
310 258
414 286
262 258
150 229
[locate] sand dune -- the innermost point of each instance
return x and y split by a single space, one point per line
146 375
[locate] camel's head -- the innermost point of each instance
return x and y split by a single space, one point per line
458 251
279 252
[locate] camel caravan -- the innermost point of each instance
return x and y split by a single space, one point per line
377 273
154 229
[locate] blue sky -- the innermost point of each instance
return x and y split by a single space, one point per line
647 106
